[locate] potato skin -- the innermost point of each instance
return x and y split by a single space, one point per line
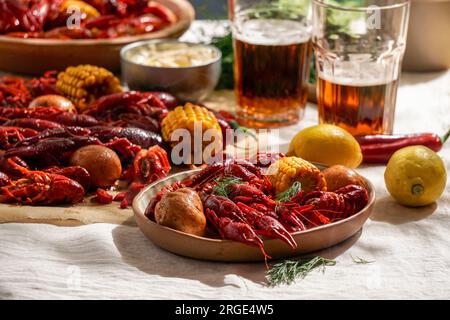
339 176
102 163
181 210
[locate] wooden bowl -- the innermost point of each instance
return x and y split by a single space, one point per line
231 251
35 56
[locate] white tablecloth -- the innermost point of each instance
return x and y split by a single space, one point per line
410 247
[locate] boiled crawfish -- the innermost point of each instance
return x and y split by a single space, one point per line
137 136
250 208
49 113
136 109
9 136
19 92
339 204
46 19
48 187
41 188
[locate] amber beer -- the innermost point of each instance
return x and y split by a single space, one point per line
360 107
271 76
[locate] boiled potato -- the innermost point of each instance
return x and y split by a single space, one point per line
339 176
102 163
53 100
181 210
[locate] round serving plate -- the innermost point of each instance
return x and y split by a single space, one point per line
231 251
35 56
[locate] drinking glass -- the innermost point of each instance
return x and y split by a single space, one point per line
359 46
272 51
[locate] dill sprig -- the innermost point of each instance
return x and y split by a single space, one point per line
288 194
359 260
221 189
287 271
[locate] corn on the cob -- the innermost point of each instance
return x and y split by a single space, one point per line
82 6
187 118
283 173
84 84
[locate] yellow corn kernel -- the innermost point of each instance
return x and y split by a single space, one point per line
186 117
283 173
84 84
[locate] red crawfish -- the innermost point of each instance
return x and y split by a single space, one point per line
50 151
41 188
112 107
105 134
235 230
147 167
35 124
247 193
77 173
138 136
241 169
63 132
266 225
9 136
50 113
339 204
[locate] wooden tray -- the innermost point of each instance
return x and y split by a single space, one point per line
87 212
231 251
35 56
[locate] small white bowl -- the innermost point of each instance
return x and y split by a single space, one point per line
193 83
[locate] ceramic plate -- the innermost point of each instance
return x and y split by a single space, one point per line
231 251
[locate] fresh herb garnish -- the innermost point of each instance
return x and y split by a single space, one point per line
288 194
221 189
359 260
287 271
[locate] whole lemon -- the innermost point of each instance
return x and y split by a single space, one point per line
326 144
415 176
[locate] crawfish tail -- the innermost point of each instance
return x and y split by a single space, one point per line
237 231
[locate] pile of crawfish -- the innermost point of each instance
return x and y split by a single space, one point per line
87 19
37 142
249 208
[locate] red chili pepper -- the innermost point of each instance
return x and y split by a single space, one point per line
380 148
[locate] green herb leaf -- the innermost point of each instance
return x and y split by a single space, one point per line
287 271
288 194
359 260
445 137
221 189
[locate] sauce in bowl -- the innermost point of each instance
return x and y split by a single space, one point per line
172 55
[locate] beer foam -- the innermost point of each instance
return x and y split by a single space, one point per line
272 32
358 74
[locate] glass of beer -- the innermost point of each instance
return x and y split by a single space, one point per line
272 51
359 49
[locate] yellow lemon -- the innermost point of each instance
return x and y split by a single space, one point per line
327 144
415 176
